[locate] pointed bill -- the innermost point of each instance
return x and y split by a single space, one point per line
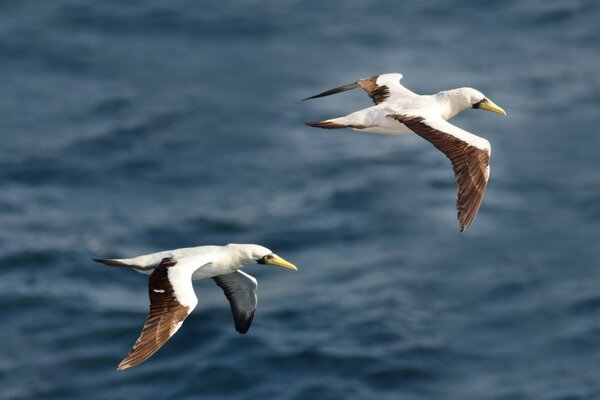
274 259
487 104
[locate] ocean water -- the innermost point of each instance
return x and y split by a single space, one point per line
134 127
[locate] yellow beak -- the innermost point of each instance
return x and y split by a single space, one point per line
487 104
274 259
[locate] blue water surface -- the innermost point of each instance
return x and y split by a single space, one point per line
133 127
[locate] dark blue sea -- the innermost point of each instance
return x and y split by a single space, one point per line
133 127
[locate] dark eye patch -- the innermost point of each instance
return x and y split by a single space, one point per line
478 104
264 259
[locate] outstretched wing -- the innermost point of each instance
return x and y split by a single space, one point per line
240 290
469 154
172 299
380 88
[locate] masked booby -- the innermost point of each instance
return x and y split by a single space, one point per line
398 110
172 296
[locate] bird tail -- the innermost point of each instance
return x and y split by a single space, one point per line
327 124
114 262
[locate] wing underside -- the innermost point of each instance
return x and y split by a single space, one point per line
240 290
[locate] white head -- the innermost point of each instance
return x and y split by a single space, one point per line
466 97
249 253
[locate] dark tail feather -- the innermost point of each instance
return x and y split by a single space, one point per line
340 89
112 263
326 125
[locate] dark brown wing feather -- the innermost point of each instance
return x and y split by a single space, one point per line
336 90
470 165
378 93
165 317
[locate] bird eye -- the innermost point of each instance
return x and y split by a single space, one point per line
265 259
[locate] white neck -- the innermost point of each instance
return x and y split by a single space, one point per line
232 258
452 102
237 256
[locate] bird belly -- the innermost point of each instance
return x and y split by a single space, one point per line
376 120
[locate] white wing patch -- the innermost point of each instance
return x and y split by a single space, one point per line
392 81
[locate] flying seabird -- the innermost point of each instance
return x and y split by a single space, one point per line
398 110
172 296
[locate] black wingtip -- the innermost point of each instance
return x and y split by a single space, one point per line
336 90
243 326
314 97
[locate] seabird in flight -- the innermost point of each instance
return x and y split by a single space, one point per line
172 296
398 110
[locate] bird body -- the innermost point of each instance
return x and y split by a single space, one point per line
206 261
399 111
376 119
172 296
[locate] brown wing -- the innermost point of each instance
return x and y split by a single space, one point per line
165 317
377 92
470 157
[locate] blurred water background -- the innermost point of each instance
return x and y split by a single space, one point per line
133 127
